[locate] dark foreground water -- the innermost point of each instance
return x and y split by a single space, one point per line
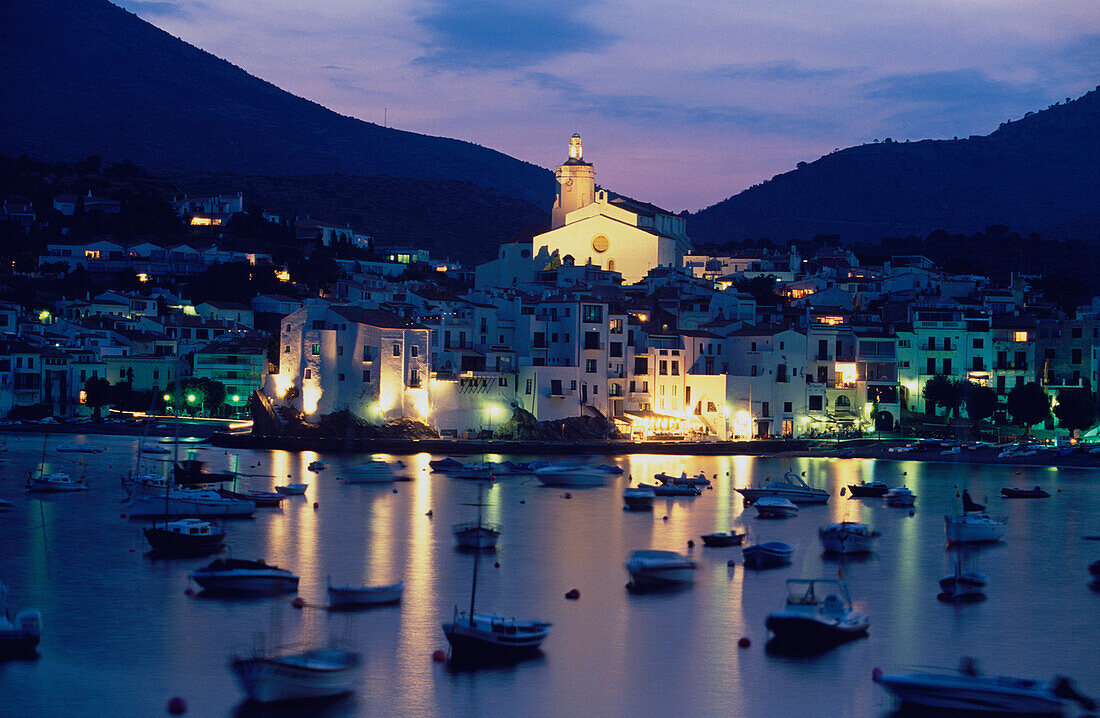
121 637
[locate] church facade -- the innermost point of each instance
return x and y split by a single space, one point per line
615 233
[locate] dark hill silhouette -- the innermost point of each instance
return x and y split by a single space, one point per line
83 77
1041 172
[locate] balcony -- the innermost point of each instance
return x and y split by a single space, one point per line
1010 366
595 346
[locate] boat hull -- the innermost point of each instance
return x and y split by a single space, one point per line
170 543
795 496
964 585
150 506
350 597
1009 493
263 584
476 538
721 540
807 631
266 680
478 643
982 695
846 541
20 639
639 502
867 492
961 531
767 555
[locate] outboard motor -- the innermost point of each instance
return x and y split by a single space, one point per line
1063 688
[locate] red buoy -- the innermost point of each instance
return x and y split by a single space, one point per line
567 495
439 656
743 642
496 565
664 518
298 602
316 505
691 544
573 594
177 706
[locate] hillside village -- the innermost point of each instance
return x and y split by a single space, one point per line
607 323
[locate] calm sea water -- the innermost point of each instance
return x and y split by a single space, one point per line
121 637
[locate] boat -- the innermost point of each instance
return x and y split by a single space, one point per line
962 585
974 525
262 499
611 469
19 636
317 466
873 489
232 575
77 449
809 619
187 502
5 504
153 449
476 536
292 489
638 498
848 537
476 636
773 507
972 693
351 596
55 483
721 539
297 676
192 472
790 487
573 475
1036 493
767 555
657 569
181 440
444 465
185 537
672 490
374 471
900 497
472 471
683 479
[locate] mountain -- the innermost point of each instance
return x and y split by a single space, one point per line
84 77
1037 173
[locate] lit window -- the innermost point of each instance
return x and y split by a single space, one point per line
316 349
1019 336
91 254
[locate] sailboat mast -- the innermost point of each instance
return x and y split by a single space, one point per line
477 550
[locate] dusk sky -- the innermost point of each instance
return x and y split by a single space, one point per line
680 103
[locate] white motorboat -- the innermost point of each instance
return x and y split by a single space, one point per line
848 537
320 673
970 693
573 475
683 479
186 537
77 449
476 535
774 507
374 471
188 502
55 482
231 575
19 636
639 498
900 497
790 487
810 619
654 569
292 489
317 465
352 596
974 525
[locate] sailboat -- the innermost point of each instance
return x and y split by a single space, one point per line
56 482
475 636
185 537
963 585
974 526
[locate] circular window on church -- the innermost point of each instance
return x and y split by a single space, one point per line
600 243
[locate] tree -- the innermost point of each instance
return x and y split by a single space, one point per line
1076 409
940 391
981 402
1028 404
97 392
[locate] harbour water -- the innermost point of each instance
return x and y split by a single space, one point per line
121 636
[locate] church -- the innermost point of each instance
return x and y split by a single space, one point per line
606 230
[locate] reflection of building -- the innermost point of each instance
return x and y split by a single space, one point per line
614 233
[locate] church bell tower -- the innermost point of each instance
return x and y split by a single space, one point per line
576 183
